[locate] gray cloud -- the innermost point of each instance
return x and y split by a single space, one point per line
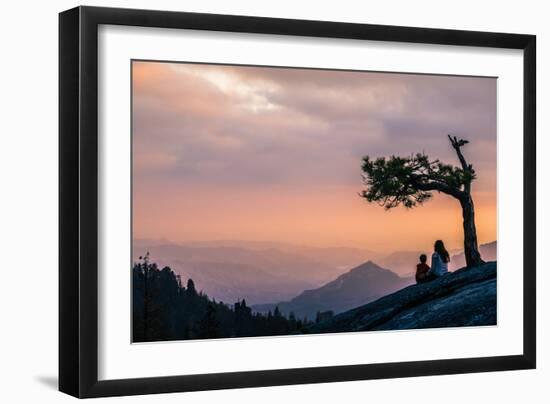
261 126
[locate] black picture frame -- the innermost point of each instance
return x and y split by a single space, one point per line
78 201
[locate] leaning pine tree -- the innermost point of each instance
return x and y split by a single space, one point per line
410 181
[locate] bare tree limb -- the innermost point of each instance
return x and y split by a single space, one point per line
457 144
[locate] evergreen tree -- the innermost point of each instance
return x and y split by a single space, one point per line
209 324
147 310
191 291
164 310
410 181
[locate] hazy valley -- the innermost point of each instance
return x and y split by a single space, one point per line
298 278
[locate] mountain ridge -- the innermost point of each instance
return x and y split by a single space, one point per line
230 273
359 285
266 272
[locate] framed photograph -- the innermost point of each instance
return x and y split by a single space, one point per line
250 201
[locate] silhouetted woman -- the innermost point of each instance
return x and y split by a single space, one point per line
440 259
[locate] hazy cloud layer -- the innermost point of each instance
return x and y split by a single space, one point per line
241 128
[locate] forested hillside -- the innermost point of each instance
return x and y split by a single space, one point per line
164 309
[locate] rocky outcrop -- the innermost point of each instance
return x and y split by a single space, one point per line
466 297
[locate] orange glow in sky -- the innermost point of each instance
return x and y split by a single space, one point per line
274 154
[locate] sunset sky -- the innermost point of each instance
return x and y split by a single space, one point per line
274 154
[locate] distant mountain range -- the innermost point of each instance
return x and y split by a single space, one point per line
361 285
404 262
266 272
334 257
259 272
488 253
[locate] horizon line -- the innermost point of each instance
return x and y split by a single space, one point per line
290 244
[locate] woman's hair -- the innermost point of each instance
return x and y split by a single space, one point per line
439 248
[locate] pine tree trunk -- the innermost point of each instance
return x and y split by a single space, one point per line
471 251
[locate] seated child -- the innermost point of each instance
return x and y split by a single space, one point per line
422 270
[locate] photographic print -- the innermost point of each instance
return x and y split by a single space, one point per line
270 201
